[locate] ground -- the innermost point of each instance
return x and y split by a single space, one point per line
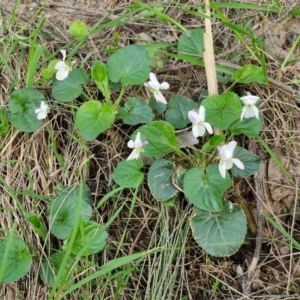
184 271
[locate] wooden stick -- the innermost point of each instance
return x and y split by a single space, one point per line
209 60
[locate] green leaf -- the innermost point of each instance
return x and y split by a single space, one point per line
22 104
50 70
191 42
36 224
92 238
130 65
69 88
50 268
220 234
177 111
93 118
78 29
249 74
62 210
135 111
4 125
213 143
18 261
156 106
160 180
99 74
127 173
221 111
161 138
205 188
178 177
251 162
250 127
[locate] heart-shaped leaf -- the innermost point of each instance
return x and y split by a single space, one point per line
191 42
249 74
63 209
177 111
130 65
69 88
250 127
160 180
22 105
251 163
127 173
50 268
93 118
220 234
91 239
160 136
205 188
17 261
221 111
135 111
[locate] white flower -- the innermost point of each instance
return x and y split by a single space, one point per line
42 111
199 124
137 146
62 68
249 109
155 87
227 160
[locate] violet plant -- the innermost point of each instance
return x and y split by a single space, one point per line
218 225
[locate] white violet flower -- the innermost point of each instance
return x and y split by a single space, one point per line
137 146
199 124
227 160
155 87
249 109
42 111
62 68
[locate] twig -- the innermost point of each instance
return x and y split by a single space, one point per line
280 85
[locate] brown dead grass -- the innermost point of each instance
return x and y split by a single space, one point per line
277 273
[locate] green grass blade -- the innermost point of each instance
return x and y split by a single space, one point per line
275 158
33 64
282 231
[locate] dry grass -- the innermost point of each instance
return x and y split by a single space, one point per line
31 163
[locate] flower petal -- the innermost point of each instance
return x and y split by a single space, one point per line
198 130
208 127
164 86
134 154
59 65
64 54
61 74
238 163
256 112
155 84
250 112
193 116
41 115
202 112
159 97
231 146
222 168
228 164
249 99
131 144
243 112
